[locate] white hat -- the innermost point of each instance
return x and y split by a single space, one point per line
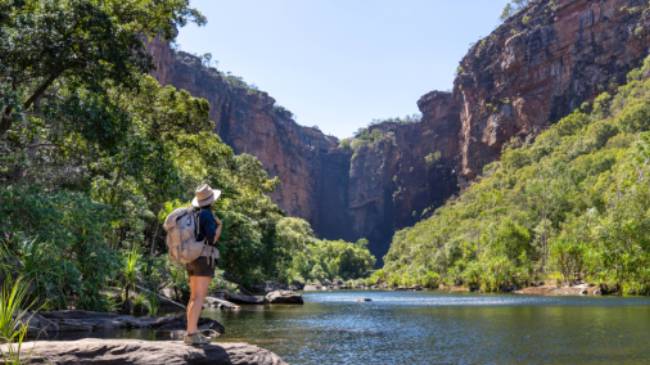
205 196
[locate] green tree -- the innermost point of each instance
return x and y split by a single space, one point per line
82 41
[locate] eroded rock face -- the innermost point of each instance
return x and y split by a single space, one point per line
532 70
542 64
393 180
312 170
137 352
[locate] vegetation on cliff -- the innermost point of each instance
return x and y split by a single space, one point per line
572 205
95 153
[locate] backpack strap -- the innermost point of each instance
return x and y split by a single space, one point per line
197 224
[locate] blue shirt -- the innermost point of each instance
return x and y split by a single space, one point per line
207 226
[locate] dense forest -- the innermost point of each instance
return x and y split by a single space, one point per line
571 206
95 153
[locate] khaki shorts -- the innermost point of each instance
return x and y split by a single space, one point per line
200 267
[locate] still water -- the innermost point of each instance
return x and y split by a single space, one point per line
435 328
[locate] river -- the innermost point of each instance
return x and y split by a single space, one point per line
437 328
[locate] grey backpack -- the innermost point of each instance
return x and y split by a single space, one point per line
181 226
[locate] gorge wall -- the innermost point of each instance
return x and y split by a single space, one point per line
532 70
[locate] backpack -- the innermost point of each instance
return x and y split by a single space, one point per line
182 226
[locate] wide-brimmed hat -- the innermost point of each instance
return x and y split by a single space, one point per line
205 195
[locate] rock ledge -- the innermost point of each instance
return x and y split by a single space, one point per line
138 352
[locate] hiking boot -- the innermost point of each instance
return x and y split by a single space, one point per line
196 339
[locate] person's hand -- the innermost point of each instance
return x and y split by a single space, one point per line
217 219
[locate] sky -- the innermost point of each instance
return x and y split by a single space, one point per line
340 64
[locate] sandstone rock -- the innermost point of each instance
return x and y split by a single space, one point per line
137 352
243 298
540 65
218 303
284 297
307 161
49 323
566 290
312 287
454 288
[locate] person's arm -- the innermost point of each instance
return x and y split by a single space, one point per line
217 235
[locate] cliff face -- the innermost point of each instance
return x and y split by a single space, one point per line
534 69
409 168
540 65
313 172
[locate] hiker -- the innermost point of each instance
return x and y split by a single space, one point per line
201 270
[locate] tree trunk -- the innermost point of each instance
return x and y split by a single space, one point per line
5 123
7 114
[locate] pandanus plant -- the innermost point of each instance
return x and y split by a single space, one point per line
14 318
130 272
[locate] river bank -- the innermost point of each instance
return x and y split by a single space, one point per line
541 289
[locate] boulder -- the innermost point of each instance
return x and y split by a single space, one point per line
138 352
312 287
48 323
284 297
566 290
218 303
243 298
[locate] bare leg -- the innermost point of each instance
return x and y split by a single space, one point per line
198 292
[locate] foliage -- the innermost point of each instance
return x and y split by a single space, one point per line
378 130
14 318
61 234
574 201
80 41
303 258
512 8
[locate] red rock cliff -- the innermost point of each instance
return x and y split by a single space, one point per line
540 65
311 169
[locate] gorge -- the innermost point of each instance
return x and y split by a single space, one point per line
535 68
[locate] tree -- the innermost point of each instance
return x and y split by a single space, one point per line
87 42
512 8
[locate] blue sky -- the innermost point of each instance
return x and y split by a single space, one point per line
339 64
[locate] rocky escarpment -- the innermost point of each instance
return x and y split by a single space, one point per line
540 65
312 170
136 352
532 70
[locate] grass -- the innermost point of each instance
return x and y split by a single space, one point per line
14 318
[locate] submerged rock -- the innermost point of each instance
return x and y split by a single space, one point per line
284 297
138 352
48 323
